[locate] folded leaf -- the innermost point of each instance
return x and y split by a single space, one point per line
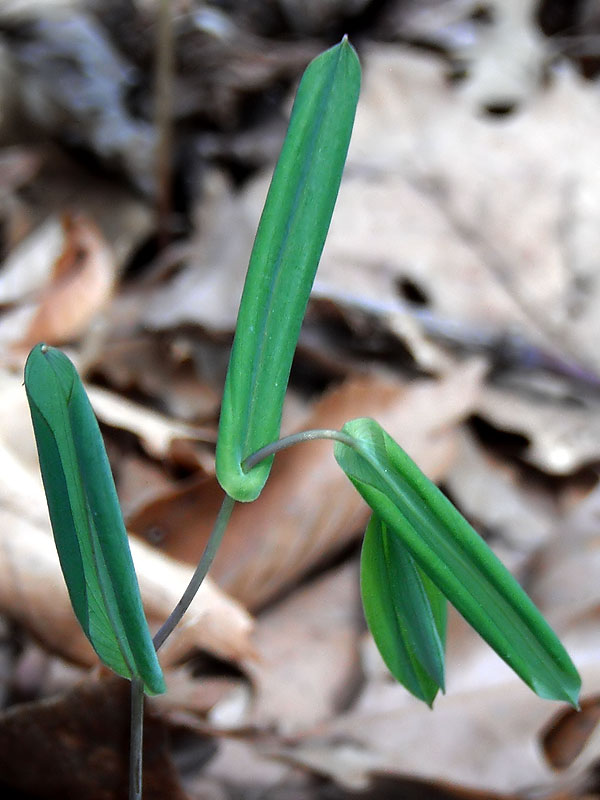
457 560
286 253
88 527
405 612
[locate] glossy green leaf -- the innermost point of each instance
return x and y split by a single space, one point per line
286 253
457 560
404 610
88 527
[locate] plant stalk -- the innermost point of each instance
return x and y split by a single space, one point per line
136 739
295 438
200 572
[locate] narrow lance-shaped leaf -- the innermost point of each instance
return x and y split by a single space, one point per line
88 527
286 253
457 560
405 612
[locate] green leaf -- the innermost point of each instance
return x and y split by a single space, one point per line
457 560
88 527
286 253
405 612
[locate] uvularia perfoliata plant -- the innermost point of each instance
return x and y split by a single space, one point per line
418 551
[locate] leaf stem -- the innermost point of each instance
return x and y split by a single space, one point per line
295 438
200 572
136 739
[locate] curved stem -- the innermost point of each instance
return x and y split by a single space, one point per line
295 438
223 518
200 572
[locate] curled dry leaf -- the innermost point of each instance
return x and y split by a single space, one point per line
28 268
165 369
81 285
158 434
58 280
309 510
567 734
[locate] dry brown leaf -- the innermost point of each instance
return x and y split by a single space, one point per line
298 641
568 732
167 369
566 569
157 433
81 285
140 481
489 221
208 289
60 277
496 498
508 58
75 745
240 764
481 738
193 694
27 269
563 435
309 510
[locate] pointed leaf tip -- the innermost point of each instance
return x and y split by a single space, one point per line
405 612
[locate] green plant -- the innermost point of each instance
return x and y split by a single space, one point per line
418 550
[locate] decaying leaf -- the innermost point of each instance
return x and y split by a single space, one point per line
567 734
420 210
293 691
497 498
481 738
562 435
158 434
75 745
59 279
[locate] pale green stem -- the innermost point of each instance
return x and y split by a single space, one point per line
136 739
223 518
295 438
200 572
